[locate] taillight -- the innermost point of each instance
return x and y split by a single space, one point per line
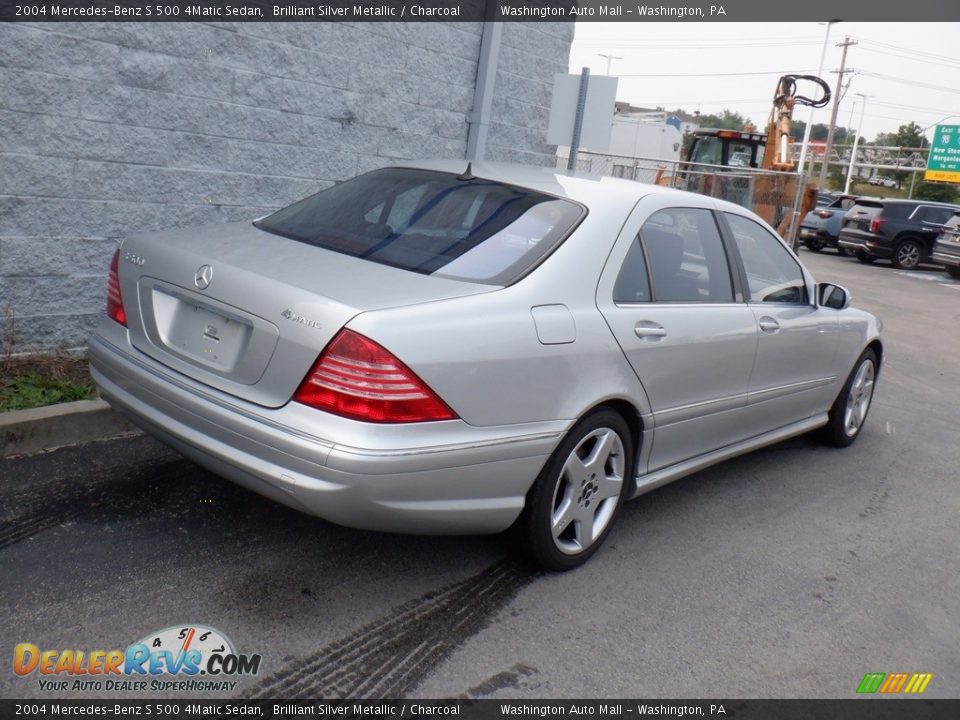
824 214
357 378
114 298
875 224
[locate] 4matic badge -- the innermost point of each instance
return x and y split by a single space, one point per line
181 651
298 318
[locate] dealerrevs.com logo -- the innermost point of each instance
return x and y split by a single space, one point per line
187 658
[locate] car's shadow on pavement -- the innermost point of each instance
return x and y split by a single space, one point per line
139 482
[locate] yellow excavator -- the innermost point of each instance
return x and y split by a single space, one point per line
773 195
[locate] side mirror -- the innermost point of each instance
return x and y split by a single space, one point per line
832 296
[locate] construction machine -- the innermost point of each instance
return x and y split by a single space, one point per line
770 195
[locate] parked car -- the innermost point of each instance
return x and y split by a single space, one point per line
902 231
821 226
946 249
447 348
826 197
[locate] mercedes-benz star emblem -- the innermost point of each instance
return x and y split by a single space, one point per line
203 277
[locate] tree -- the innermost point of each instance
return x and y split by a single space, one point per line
906 136
726 120
936 192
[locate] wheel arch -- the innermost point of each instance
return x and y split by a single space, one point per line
911 235
877 348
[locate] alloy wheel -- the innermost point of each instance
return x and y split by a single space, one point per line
587 491
859 398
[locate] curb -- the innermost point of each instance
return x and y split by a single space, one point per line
25 432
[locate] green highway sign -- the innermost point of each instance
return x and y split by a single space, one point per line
943 163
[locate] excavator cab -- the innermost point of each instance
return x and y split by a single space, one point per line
729 148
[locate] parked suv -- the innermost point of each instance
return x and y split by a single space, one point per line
902 231
946 250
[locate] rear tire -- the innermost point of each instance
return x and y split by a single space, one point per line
575 500
814 244
907 255
849 410
842 252
953 271
864 258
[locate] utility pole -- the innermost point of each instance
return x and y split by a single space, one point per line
847 42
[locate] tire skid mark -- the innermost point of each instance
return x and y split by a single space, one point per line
377 643
339 656
13 532
390 656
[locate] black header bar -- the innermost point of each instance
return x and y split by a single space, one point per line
475 11
620 709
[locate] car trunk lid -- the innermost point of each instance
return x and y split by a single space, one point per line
860 215
248 312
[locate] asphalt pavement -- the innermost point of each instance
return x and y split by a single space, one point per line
790 572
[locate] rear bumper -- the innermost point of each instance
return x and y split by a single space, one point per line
860 246
817 233
944 258
450 478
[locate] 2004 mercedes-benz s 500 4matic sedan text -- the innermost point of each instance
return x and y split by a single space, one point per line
444 348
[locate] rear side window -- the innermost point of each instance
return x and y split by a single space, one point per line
432 223
933 214
632 284
773 275
686 256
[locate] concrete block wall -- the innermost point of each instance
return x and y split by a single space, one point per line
112 128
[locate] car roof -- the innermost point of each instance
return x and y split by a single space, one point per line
594 191
905 201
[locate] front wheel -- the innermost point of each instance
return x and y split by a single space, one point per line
578 494
908 255
849 410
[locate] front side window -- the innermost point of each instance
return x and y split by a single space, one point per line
432 223
773 275
686 256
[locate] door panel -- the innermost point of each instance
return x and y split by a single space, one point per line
667 296
792 377
696 372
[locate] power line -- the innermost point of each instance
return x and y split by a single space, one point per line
909 81
887 53
912 51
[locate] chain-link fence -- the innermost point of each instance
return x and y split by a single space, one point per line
775 196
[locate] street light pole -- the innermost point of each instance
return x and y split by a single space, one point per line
856 142
610 59
806 131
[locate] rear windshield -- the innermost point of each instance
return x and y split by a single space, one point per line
844 203
432 223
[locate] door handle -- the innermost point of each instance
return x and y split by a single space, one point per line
649 330
769 325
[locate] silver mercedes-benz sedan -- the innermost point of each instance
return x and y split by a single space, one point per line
454 348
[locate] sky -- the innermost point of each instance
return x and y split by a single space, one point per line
908 71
